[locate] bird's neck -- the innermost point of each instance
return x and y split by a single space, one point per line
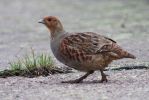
57 32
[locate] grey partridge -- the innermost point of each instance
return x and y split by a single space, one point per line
84 51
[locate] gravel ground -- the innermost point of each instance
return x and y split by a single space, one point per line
126 21
122 85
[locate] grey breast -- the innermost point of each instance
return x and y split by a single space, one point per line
55 43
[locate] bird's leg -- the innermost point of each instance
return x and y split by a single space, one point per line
104 78
79 79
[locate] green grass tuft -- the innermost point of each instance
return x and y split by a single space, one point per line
32 66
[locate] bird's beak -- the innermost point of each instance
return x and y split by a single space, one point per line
41 21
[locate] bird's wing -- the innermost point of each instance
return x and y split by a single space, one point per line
82 44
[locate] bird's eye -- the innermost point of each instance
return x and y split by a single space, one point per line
49 19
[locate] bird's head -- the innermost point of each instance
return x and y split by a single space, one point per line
53 24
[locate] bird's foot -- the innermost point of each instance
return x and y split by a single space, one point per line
72 81
103 80
104 77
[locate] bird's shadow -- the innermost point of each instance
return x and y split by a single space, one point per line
89 82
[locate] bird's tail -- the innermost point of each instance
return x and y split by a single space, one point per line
128 55
122 53
118 50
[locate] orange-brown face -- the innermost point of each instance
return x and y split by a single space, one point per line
50 21
53 24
